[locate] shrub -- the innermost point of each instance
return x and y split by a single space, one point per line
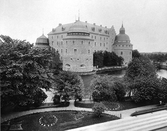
98 109
56 99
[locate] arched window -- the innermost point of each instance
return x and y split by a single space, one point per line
121 53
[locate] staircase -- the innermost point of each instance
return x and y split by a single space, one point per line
145 122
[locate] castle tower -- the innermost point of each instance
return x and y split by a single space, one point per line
42 42
78 56
122 46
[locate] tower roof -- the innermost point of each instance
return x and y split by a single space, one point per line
78 26
122 38
42 41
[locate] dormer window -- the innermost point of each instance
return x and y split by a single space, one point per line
100 30
93 28
62 28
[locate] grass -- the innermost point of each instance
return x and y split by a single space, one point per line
66 120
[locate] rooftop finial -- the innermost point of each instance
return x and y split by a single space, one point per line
78 15
42 31
122 24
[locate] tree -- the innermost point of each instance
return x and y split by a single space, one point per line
105 58
119 89
162 93
145 89
24 71
98 59
69 85
135 54
140 67
98 109
102 89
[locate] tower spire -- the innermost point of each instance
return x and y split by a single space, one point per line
78 15
42 31
122 25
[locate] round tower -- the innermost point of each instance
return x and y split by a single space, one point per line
122 46
78 54
42 42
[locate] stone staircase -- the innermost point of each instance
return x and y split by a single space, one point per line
145 122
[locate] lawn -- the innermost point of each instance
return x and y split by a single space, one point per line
61 120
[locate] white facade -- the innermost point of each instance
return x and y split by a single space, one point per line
77 41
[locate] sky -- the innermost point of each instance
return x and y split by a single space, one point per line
145 21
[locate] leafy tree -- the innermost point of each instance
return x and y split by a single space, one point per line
23 72
140 67
102 89
145 89
98 109
120 91
69 85
105 58
135 54
98 59
162 93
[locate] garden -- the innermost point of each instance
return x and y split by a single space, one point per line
60 120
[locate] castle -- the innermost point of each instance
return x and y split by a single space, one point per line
77 41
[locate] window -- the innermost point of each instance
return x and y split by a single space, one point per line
66 50
130 53
89 43
75 50
57 43
81 42
52 37
95 37
104 44
61 42
66 42
61 50
100 44
100 38
92 36
121 53
61 36
88 51
95 43
57 36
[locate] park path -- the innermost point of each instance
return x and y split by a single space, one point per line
122 114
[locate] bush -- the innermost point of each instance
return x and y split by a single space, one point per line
98 109
56 99
83 104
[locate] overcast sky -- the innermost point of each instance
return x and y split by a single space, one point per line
145 21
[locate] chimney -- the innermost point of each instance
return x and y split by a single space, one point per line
94 23
60 24
85 21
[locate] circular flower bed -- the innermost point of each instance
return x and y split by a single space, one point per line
48 120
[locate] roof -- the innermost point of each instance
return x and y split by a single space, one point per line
122 38
78 25
42 39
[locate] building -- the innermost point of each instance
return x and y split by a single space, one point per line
77 41
122 46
